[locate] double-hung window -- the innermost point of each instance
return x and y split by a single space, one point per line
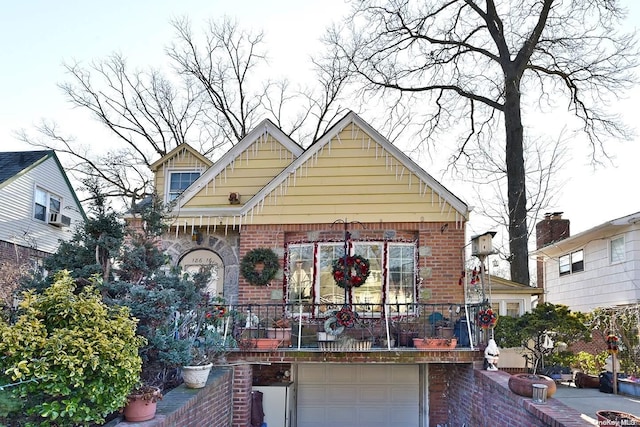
180 181
391 280
572 262
45 205
616 249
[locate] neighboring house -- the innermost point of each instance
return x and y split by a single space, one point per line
512 299
269 192
38 206
599 267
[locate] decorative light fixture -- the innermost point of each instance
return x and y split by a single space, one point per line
234 198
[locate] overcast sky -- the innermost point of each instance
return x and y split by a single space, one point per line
38 35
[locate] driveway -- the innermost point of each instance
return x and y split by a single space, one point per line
589 400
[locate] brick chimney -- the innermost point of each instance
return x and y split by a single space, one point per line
551 229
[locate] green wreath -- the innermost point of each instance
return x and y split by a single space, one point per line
255 256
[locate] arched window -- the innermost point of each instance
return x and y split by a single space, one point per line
199 259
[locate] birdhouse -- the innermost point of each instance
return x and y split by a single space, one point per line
482 244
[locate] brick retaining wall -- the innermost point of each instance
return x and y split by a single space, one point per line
482 399
458 395
185 407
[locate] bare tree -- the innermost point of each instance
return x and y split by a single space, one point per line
144 111
222 67
215 95
476 62
544 160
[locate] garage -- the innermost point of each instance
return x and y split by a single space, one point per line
357 395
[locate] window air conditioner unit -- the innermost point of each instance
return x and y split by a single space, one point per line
59 220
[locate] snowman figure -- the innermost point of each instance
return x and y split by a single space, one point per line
491 356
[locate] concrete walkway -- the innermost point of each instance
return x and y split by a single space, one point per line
589 400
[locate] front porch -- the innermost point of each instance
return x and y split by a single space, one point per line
399 333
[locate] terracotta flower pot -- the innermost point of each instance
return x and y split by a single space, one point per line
405 338
281 334
522 384
265 343
141 407
434 343
620 418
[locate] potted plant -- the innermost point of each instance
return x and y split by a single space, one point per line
617 418
281 330
142 403
207 333
444 329
406 328
435 343
522 384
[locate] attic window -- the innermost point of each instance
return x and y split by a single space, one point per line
180 181
45 204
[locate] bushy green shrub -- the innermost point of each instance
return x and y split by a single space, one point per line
590 363
74 358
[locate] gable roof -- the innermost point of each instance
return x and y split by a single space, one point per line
500 285
264 127
604 230
180 148
324 140
393 157
14 164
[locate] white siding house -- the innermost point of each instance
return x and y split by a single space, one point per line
38 205
599 267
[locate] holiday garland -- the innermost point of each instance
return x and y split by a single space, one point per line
259 256
487 318
350 273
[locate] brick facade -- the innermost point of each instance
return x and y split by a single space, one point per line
242 380
441 244
19 254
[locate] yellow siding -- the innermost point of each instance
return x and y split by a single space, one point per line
352 177
247 174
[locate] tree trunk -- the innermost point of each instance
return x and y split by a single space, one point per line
516 188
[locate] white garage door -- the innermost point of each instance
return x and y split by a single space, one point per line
357 395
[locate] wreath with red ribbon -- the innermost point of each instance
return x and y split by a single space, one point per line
346 317
487 318
350 273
